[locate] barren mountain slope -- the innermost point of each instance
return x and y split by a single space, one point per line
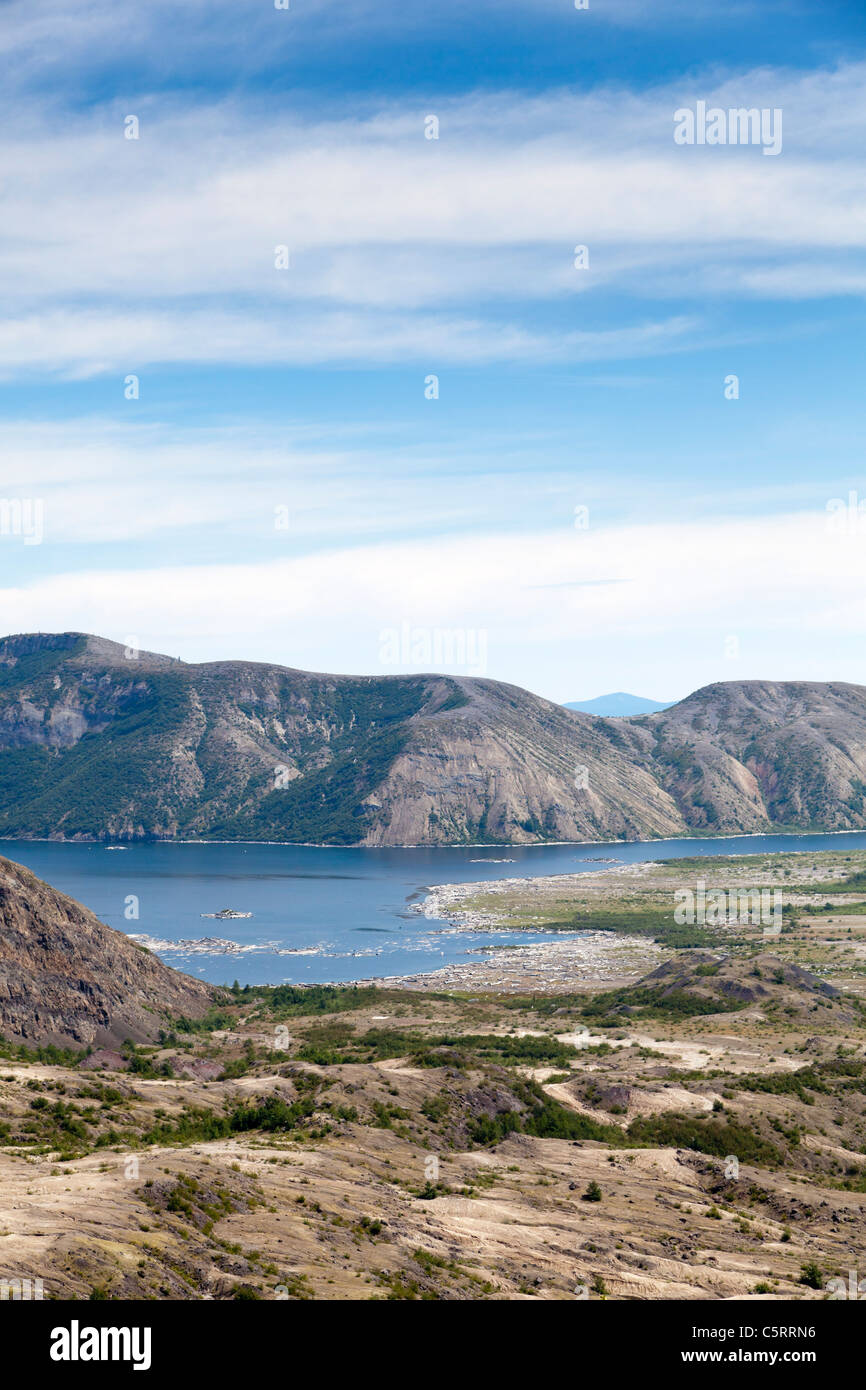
509 766
67 979
741 755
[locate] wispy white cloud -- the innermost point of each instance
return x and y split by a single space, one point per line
195 491
438 248
537 596
92 341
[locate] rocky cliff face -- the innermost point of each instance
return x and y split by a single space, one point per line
98 742
67 979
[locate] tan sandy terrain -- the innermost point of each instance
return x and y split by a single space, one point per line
513 1226
416 1143
336 1210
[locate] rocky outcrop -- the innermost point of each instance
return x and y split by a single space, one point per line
67 979
754 980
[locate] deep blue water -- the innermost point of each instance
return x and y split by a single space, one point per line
352 905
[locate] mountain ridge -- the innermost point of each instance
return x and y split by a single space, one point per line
98 741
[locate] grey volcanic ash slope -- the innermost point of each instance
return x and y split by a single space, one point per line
67 979
745 755
506 765
94 744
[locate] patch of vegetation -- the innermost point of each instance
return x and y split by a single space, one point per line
51 1056
141 1064
811 1275
214 1020
825 1078
271 1114
655 922
338 1043
645 1001
369 727
704 1136
295 1001
851 883
541 1116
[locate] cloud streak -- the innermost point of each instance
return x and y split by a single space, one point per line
459 249
788 588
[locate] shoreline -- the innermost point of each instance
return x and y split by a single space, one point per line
786 834
563 966
572 959
441 903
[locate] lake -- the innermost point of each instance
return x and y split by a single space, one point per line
351 910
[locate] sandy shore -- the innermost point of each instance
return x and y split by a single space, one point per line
557 966
565 962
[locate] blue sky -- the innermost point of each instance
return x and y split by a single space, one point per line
581 495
